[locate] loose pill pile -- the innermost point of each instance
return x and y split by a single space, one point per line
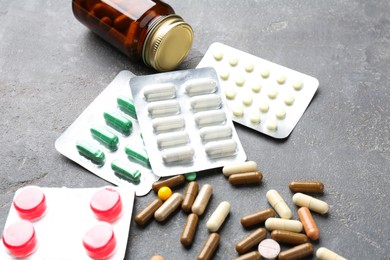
106 139
185 123
91 223
260 94
193 203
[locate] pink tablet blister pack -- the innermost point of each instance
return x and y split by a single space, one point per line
63 223
260 94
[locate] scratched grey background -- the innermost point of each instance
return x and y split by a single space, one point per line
52 67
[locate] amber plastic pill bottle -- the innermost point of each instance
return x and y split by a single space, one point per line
141 29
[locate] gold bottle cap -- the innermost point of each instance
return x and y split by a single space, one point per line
168 43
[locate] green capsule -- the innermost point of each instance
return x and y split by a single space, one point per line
191 176
137 154
125 171
127 105
105 137
91 152
118 122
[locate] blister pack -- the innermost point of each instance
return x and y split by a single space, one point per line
185 123
260 94
106 139
63 223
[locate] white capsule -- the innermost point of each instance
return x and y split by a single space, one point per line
325 254
218 217
160 92
200 86
215 132
284 224
178 154
172 139
249 166
310 202
278 204
211 101
222 148
168 107
209 117
168 123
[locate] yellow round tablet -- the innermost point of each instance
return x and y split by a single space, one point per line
233 62
247 99
218 56
289 100
230 93
272 93
298 85
249 68
240 81
224 75
272 125
281 79
263 106
256 87
164 193
254 117
264 73
238 111
280 113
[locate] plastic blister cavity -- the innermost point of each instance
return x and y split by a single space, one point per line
70 227
106 139
260 94
185 123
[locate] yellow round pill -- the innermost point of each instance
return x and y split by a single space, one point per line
230 93
254 117
280 113
281 79
263 106
224 75
272 93
256 87
289 100
238 111
264 73
272 125
249 68
218 56
298 85
247 99
233 62
164 193
240 81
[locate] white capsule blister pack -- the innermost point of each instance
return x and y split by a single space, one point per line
260 94
185 123
60 223
111 149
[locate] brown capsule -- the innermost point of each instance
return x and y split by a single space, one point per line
254 255
306 186
245 178
189 196
308 223
101 10
168 207
189 230
147 213
209 247
288 237
253 239
296 252
258 217
170 182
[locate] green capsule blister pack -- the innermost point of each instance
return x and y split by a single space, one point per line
106 139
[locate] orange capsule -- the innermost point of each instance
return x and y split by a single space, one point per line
308 223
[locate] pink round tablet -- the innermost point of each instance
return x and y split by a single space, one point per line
20 239
100 241
106 204
30 203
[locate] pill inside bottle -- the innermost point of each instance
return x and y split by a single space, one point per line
143 30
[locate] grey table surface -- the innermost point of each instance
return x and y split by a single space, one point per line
52 67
